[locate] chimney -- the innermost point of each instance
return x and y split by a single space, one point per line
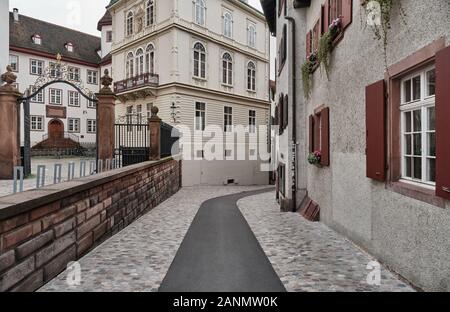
16 15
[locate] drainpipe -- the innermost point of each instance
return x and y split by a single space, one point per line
294 115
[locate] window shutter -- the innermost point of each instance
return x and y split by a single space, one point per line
311 134
308 44
280 114
325 136
376 131
326 15
442 123
317 126
347 13
286 111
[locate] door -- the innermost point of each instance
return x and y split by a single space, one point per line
55 129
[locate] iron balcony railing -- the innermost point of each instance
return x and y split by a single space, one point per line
151 80
65 135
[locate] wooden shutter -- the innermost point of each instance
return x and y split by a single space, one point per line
308 44
376 131
311 134
280 114
325 136
317 126
286 111
347 13
443 123
326 16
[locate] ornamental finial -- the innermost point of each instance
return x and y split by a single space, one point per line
9 77
106 82
58 57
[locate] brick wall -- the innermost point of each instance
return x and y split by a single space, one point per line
42 231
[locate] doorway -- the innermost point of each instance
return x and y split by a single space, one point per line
55 129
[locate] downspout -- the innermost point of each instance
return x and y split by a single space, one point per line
294 116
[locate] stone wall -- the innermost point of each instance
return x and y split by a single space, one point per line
41 231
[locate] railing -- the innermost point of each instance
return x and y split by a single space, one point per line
136 82
65 135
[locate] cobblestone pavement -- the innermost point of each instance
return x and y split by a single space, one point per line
6 186
138 258
309 256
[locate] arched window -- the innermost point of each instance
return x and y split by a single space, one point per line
130 20
228 25
130 65
227 69
251 35
199 61
150 59
200 12
150 12
251 76
139 62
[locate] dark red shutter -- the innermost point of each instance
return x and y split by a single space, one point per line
326 16
311 134
308 44
347 13
325 136
376 131
317 126
442 123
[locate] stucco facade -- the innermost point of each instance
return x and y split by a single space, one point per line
173 86
406 231
4 34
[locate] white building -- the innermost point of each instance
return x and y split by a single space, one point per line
58 109
202 62
4 35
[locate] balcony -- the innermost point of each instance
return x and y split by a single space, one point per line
137 82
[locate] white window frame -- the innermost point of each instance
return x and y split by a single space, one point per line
228 24
109 36
140 62
251 76
129 23
92 77
14 65
422 104
227 119
150 13
73 98
37 39
252 121
91 126
55 96
201 65
227 69
36 67
37 123
200 116
150 59
73 125
251 34
200 12
39 97
74 73
129 65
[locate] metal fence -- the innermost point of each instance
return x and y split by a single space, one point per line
132 144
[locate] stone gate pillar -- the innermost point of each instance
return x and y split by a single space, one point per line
106 119
154 126
9 125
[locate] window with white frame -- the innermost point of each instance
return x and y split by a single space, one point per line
251 35
227 69
37 39
39 97
252 121
69 47
200 116
228 119
55 70
150 59
200 12
130 65
74 73
55 96
199 61
139 114
419 127
14 62
73 124
149 110
150 12
228 24
251 76
139 62
91 126
36 67
109 36
37 123
74 98
129 23
92 77
91 104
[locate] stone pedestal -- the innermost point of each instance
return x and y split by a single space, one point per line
154 125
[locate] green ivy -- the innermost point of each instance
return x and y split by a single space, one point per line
324 51
307 68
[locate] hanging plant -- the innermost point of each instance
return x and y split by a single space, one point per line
315 158
307 70
326 45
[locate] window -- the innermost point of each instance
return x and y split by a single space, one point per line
199 61
139 114
36 67
92 77
14 62
200 12
335 10
74 125
251 35
69 47
74 98
74 73
227 69
282 179
200 116
39 97
139 62
55 70
228 24
91 126
91 104
419 127
150 12
228 119
252 121
109 36
37 39
315 36
251 76
129 23
319 134
149 110
130 65
55 96
37 123
282 49
150 59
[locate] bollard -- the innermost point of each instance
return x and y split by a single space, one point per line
92 168
108 164
100 166
71 173
82 169
20 177
57 173
40 179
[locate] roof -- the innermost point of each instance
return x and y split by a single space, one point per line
106 20
270 8
54 39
